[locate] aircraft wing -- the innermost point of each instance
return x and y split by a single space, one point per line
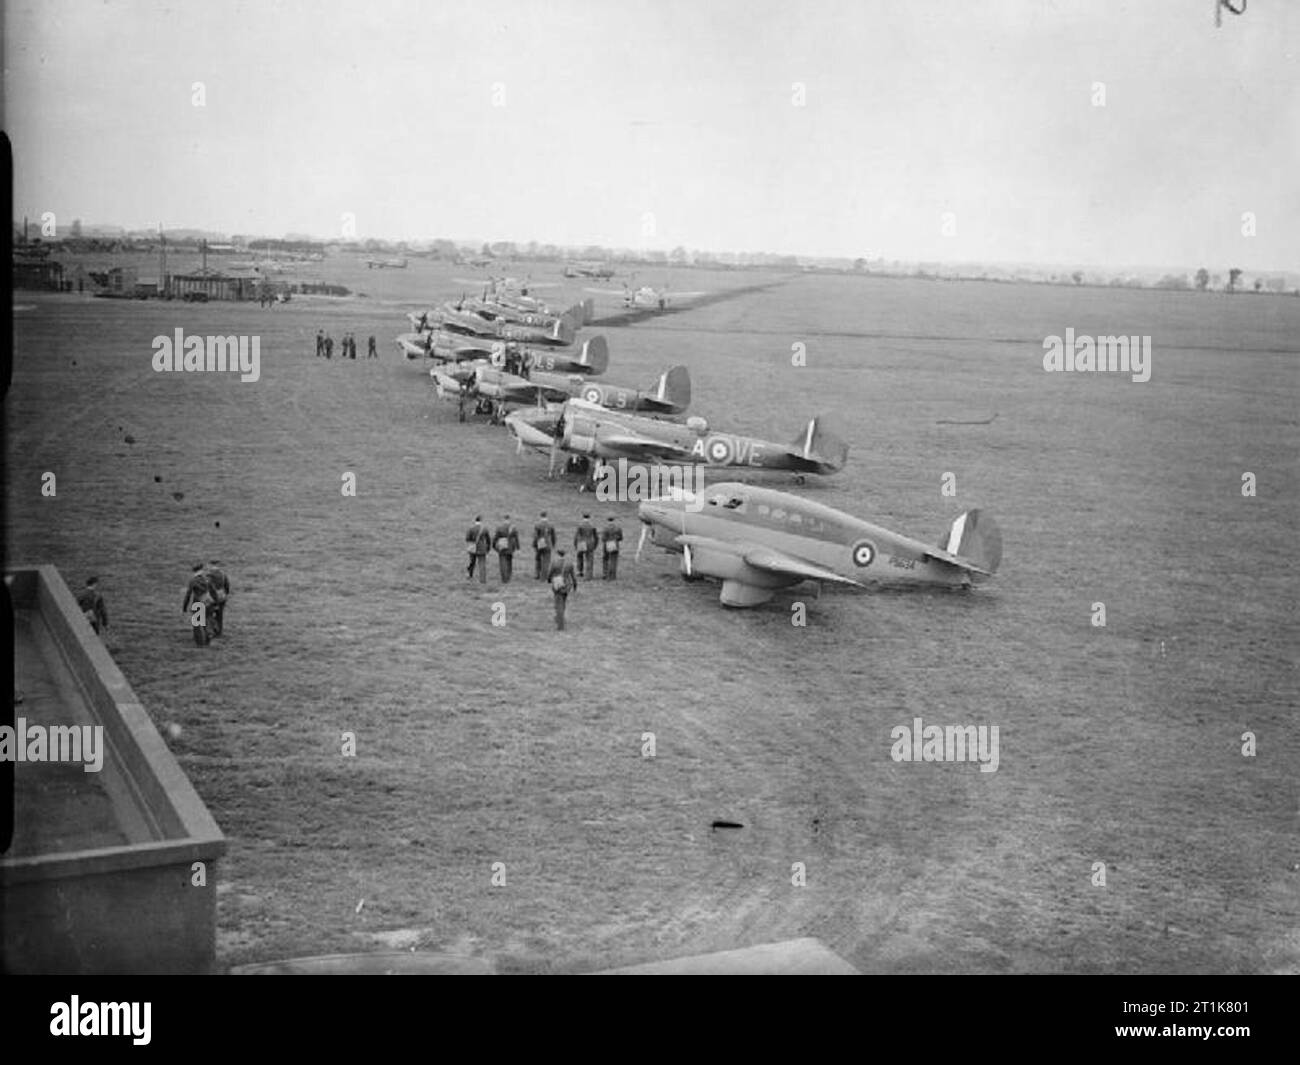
771 560
633 446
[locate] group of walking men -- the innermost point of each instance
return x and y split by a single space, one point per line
209 586
325 346
549 562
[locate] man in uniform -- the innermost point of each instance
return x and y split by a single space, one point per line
198 590
611 536
584 543
219 584
506 541
460 401
92 605
372 352
563 581
320 343
543 545
479 540
329 346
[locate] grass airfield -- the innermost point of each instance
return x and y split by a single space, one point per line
479 744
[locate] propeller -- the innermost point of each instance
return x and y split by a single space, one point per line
686 557
641 542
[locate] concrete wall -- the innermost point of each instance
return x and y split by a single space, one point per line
115 909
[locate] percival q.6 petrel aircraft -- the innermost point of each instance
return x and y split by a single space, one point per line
606 435
670 394
757 541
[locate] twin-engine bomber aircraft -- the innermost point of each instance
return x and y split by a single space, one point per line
670 394
757 541
591 358
606 435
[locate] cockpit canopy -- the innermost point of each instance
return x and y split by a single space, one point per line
727 500
697 424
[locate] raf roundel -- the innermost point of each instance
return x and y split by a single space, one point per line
719 450
592 395
864 553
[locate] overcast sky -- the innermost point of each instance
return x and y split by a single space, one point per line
675 122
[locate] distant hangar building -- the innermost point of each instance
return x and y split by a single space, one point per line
216 285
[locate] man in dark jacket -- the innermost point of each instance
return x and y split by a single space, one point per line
584 544
92 605
543 545
506 542
479 540
563 581
611 537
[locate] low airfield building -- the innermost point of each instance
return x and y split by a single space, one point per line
34 269
216 285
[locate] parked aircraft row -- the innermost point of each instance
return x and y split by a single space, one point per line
756 541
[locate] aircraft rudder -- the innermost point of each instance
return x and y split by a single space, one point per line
820 442
676 387
595 354
977 538
566 329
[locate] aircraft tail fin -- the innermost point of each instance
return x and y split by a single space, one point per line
975 537
566 328
673 389
595 355
819 443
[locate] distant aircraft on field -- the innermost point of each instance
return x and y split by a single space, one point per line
588 269
386 264
757 541
647 296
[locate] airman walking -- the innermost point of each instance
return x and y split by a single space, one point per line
543 545
563 581
199 590
92 605
479 540
506 541
584 544
611 537
219 585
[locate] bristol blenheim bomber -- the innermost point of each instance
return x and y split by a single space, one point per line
757 541
589 430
